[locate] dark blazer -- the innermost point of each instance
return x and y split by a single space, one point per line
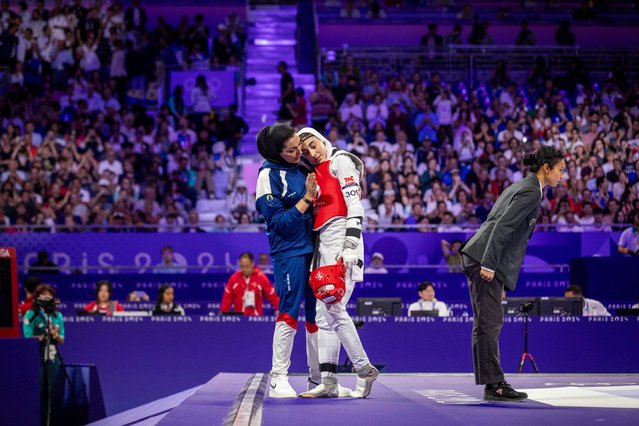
500 244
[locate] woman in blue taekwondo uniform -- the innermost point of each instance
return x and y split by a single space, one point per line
284 196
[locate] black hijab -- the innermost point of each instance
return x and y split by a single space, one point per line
270 142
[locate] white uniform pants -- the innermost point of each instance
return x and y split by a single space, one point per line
334 322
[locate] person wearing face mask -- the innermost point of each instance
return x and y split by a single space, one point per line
491 261
338 215
45 323
284 196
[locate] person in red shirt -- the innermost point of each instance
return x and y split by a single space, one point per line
103 303
247 288
30 285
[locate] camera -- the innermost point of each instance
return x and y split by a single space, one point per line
526 307
48 305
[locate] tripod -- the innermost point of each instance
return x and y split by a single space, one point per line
525 310
47 387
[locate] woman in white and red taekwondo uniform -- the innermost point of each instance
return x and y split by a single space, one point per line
338 214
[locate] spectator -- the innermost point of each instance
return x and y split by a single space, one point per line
375 11
351 111
427 301
452 255
455 38
431 40
176 103
350 10
137 296
287 92
298 110
377 112
564 35
377 264
193 224
629 239
264 263
168 264
591 307
247 289
525 37
43 265
426 122
220 224
30 284
201 98
322 106
234 128
103 304
165 304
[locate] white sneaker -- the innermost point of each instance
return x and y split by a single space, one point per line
312 383
365 384
321 391
344 392
280 387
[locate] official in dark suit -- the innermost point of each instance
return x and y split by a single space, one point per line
492 258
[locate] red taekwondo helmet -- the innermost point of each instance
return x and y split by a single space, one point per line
328 282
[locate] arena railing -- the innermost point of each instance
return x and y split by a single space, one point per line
472 63
495 12
260 227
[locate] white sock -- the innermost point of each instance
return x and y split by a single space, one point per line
312 355
283 338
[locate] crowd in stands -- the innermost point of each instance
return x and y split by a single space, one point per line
76 149
440 152
75 152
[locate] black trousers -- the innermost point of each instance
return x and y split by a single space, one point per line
488 318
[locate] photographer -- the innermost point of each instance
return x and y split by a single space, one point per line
45 323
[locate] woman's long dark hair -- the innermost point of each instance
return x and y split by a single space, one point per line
545 154
163 288
99 285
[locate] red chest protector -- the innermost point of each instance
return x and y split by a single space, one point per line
330 201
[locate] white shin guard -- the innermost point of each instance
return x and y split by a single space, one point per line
282 347
329 346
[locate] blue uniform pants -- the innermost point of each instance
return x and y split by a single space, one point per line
291 283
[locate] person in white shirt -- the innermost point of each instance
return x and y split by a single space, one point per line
591 307
377 265
111 163
427 301
351 111
201 96
377 112
444 105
